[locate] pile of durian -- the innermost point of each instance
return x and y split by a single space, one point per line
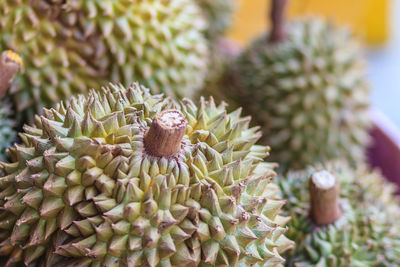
112 158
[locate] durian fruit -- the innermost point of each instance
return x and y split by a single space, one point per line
341 217
10 64
219 14
305 85
70 46
126 178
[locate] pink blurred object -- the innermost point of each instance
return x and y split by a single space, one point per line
384 152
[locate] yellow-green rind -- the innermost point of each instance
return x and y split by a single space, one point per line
308 92
71 46
367 233
82 191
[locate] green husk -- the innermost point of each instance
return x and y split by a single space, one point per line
367 233
82 190
69 47
308 91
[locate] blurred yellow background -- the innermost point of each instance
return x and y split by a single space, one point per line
368 18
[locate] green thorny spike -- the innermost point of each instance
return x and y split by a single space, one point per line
366 234
308 91
85 189
160 43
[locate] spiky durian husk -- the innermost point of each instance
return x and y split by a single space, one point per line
307 91
219 14
82 191
366 234
7 131
70 46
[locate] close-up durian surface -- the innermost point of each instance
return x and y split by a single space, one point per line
95 183
366 232
70 46
304 82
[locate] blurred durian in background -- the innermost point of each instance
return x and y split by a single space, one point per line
360 225
305 83
70 46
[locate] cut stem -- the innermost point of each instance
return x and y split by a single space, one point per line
10 63
325 194
164 137
277 16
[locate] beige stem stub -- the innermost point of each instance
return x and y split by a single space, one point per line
164 137
325 195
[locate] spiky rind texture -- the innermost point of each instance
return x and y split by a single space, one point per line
307 91
219 14
367 233
83 191
70 46
7 131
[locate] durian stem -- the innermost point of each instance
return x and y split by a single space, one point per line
325 194
164 137
10 63
277 16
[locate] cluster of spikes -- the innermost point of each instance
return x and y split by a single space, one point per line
84 190
306 86
71 46
365 233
